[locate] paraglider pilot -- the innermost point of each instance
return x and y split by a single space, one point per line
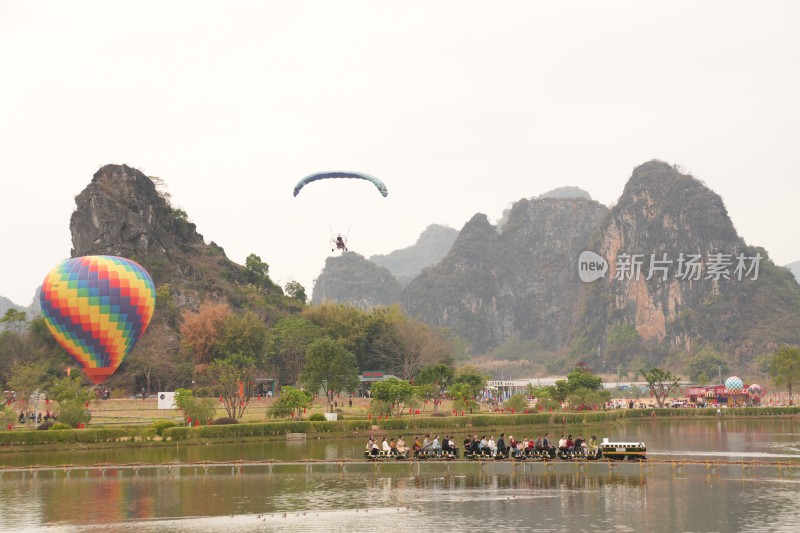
340 245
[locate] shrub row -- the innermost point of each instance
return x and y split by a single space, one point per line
84 436
268 429
568 418
710 411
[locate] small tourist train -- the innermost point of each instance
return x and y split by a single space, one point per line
614 451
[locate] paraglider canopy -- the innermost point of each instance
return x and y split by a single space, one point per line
341 174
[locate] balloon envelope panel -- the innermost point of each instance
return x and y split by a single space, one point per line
97 307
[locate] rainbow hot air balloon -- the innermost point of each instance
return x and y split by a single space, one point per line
97 307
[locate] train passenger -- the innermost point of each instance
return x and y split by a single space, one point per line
372 446
436 446
417 446
446 445
401 447
453 447
501 444
593 446
426 444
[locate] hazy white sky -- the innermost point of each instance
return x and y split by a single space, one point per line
458 106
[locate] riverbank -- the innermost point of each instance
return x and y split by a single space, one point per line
150 434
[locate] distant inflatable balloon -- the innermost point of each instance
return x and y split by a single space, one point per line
734 384
97 308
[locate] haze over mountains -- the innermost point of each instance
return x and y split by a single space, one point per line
677 276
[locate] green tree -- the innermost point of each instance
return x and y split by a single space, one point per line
7 417
661 382
234 380
290 400
257 270
166 306
435 379
288 340
463 396
582 397
194 409
26 379
395 392
379 408
517 403
622 344
15 320
295 290
581 377
472 377
331 368
73 414
358 331
70 389
706 365
784 368
242 334
544 396
71 394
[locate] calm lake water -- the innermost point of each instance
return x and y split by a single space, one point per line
400 497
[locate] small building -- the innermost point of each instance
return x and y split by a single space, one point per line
368 378
265 386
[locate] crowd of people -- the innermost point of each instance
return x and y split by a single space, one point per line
35 417
472 446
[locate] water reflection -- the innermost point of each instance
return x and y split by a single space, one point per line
561 497
628 498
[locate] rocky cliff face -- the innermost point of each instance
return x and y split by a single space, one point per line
677 273
494 287
677 277
431 246
682 276
121 213
661 217
353 280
